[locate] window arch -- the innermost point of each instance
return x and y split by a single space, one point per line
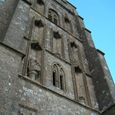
54 76
53 16
67 23
58 76
74 51
57 44
62 79
36 40
80 86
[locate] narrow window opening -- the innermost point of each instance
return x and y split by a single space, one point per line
58 77
28 71
54 78
61 82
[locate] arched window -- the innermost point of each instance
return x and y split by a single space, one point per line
57 44
80 84
62 81
55 79
74 51
58 77
53 16
37 40
67 24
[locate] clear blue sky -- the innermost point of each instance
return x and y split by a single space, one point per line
99 17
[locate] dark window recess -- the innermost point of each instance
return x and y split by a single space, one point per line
39 23
54 78
67 20
73 44
58 77
35 45
78 69
56 35
28 71
40 2
61 82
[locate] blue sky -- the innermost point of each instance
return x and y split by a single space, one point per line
99 17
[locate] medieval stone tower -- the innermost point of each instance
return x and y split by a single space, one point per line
48 62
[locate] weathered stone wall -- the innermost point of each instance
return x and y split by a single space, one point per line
7 8
22 95
108 76
45 102
97 71
17 28
9 66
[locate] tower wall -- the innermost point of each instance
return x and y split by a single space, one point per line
44 68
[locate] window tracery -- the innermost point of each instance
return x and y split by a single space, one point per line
53 16
58 77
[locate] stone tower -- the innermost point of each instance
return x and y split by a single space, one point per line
48 62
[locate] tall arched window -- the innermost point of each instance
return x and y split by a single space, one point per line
80 84
58 77
54 76
57 44
74 51
37 35
67 24
53 16
62 79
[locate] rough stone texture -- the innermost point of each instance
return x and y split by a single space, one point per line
30 44
7 8
19 23
9 66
